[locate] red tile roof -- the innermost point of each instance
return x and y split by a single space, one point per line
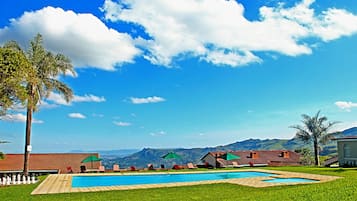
51 161
346 138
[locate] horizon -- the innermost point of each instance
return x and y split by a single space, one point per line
183 74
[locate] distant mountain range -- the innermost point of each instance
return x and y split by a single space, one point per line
154 156
109 154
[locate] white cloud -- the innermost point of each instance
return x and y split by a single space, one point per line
71 74
88 98
58 99
18 118
345 105
122 124
231 58
76 116
160 133
84 38
45 105
153 99
343 126
98 115
204 28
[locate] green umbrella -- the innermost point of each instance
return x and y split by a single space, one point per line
171 155
230 156
91 159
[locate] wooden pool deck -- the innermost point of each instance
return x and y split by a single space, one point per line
62 183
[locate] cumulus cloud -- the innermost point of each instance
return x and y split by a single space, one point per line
345 105
58 99
217 31
88 98
84 38
18 118
76 116
122 124
152 99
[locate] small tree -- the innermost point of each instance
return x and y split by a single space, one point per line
315 130
2 155
306 156
14 73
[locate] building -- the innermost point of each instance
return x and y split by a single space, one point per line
347 151
252 158
47 163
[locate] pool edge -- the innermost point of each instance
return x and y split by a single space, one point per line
61 183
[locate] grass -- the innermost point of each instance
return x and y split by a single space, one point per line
341 189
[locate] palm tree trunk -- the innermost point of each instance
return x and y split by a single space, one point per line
27 140
316 150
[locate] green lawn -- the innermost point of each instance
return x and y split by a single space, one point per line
341 189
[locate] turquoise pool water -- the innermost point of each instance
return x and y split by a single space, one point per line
289 180
118 180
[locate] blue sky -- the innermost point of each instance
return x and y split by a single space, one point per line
185 73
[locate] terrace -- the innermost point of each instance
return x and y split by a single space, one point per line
63 183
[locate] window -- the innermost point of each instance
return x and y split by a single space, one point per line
346 151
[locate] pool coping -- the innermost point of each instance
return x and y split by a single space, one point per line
62 183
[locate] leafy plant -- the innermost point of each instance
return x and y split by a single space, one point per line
306 156
2 155
15 71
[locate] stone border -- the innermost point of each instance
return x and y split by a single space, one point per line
62 183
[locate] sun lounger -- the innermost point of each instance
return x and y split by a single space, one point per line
191 166
151 167
69 170
83 169
235 164
116 168
101 168
177 167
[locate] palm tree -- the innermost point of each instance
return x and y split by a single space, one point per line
316 130
46 67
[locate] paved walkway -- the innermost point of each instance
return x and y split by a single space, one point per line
62 183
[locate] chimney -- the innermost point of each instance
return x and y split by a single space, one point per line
285 154
254 155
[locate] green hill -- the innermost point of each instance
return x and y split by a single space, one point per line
153 156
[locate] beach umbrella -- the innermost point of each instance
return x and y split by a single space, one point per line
230 156
171 155
91 159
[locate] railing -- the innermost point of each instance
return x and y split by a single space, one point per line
331 161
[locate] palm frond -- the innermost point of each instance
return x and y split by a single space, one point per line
328 137
59 87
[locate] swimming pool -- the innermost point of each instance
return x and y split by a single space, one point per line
289 180
123 180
